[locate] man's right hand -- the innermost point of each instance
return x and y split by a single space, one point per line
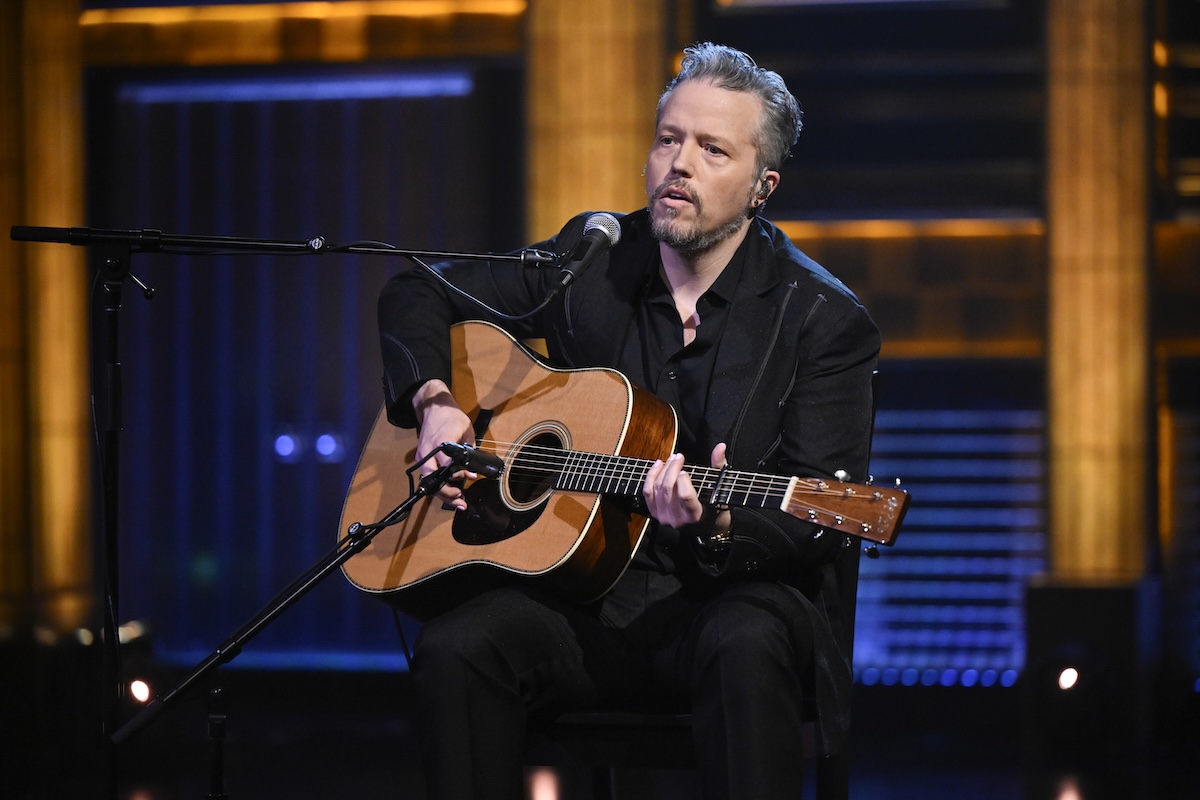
440 420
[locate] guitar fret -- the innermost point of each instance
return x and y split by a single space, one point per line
634 477
572 471
607 475
597 473
588 480
585 472
750 492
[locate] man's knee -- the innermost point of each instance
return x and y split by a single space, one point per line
468 637
754 627
498 633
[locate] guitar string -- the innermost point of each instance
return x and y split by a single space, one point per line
613 467
773 487
599 466
628 470
557 458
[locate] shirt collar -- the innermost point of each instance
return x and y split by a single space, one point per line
724 287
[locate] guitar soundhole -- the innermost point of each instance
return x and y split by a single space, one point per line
500 509
533 466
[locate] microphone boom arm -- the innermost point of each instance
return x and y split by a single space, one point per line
152 240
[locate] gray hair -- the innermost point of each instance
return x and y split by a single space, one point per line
732 69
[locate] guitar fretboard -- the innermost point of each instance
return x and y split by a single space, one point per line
865 511
602 474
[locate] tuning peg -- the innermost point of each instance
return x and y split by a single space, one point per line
871 551
841 475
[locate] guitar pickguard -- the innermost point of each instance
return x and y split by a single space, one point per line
498 509
488 519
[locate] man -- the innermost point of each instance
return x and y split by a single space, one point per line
734 613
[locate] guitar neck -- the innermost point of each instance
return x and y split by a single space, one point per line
869 512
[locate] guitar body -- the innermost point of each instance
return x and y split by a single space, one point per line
517 524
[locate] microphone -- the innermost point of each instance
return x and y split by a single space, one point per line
600 232
472 459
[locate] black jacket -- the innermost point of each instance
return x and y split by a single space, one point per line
791 392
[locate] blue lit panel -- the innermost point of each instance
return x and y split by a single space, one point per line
251 381
945 605
274 90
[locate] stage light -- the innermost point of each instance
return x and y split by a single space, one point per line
131 631
329 448
1068 679
543 784
287 447
139 690
1068 789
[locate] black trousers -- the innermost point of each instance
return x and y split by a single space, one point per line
510 657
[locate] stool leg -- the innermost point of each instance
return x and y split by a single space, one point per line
833 777
604 787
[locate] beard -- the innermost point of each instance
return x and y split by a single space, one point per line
695 237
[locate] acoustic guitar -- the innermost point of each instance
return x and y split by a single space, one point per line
576 446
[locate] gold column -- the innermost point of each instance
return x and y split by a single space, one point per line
45 546
1098 234
590 93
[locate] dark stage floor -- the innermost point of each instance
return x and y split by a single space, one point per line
346 735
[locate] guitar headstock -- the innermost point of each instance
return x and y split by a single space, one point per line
869 512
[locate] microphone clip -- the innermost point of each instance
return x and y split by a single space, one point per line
540 258
472 459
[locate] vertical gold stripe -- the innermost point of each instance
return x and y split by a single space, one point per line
1166 453
590 106
52 119
1098 233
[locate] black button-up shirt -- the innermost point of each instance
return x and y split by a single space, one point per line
655 357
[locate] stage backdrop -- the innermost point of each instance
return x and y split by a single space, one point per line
251 380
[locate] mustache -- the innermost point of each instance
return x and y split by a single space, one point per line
679 186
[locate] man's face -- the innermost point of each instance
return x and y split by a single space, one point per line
701 175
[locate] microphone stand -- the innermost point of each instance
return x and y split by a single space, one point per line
111 253
357 537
